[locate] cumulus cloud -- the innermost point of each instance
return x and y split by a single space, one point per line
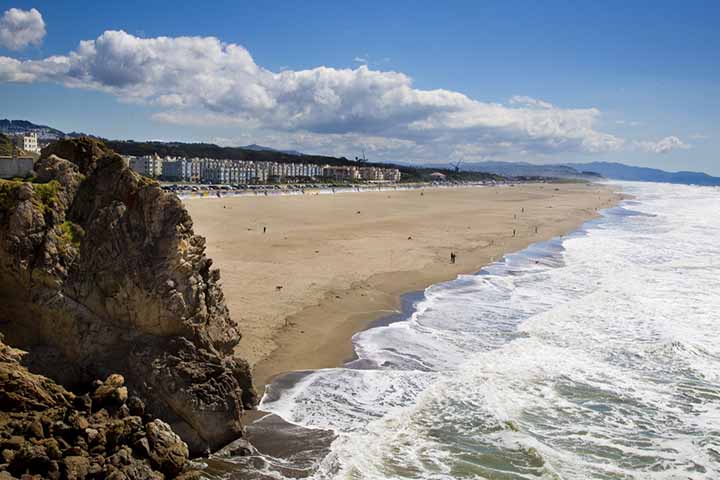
664 145
20 28
203 81
530 102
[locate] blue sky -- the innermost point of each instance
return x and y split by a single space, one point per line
636 82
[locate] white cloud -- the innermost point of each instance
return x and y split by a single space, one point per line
663 145
203 81
529 102
628 123
360 60
20 28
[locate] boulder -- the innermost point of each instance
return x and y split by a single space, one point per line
59 441
167 451
75 467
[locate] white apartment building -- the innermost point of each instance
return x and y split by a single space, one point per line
234 172
181 169
28 142
148 165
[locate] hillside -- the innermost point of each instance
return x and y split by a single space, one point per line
619 171
523 169
260 148
209 150
5 145
18 127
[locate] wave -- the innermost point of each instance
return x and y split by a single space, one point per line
595 355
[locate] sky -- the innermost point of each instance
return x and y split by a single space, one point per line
417 81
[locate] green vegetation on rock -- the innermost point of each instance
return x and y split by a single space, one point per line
47 193
72 232
7 191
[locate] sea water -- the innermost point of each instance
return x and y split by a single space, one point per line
595 355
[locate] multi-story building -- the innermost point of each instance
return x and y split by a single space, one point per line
233 172
148 165
341 172
392 174
178 170
28 142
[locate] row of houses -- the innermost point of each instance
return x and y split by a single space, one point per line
208 170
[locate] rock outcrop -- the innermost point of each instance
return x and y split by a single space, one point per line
50 432
100 272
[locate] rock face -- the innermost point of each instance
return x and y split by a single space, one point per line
48 431
100 272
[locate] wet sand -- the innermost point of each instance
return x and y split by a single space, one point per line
327 266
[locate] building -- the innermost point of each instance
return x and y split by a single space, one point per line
148 165
180 170
28 142
368 174
243 172
392 175
341 173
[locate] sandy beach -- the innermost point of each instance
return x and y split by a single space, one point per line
302 274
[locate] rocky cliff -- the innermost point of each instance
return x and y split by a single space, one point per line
49 432
100 272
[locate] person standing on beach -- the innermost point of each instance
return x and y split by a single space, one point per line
452 257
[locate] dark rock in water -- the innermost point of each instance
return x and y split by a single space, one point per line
100 272
239 448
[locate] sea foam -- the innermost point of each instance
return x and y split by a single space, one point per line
596 355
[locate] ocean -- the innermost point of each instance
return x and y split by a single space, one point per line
594 355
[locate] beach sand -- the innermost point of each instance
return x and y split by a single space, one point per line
329 265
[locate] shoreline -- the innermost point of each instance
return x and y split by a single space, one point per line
349 315
329 266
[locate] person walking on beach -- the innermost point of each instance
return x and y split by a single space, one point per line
452 257
513 232
264 229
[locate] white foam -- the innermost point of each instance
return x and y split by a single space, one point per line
601 360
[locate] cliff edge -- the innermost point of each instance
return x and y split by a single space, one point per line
100 272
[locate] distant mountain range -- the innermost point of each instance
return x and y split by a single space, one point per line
583 171
619 171
260 148
522 169
588 171
19 127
